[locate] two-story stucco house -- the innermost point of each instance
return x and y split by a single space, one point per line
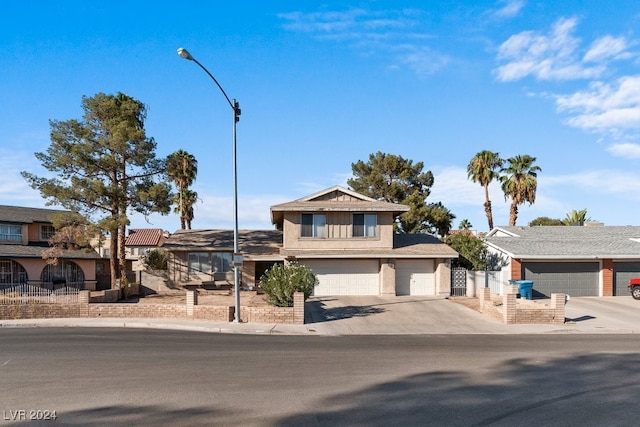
347 239
24 234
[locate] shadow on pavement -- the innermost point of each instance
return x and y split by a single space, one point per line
579 319
318 312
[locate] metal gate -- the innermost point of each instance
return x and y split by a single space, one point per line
458 282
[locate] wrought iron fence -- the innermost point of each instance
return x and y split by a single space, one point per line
29 294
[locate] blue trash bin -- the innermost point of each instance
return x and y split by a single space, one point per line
525 288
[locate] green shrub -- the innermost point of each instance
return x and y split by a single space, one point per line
280 282
155 259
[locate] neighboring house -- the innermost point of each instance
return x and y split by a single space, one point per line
139 241
347 239
24 234
575 260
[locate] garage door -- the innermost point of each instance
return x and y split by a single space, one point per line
622 272
346 277
415 277
578 279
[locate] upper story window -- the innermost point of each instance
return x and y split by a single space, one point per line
11 232
313 225
365 225
47 231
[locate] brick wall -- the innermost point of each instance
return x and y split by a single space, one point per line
514 311
88 307
39 311
280 315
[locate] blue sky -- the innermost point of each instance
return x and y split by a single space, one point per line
324 84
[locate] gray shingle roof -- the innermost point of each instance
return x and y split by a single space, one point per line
567 242
251 242
31 251
22 215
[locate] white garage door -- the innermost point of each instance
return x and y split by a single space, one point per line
415 277
346 277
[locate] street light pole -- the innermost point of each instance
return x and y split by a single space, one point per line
235 108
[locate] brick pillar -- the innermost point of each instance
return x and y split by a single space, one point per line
484 295
607 277
192 300
509 304
83 302
558 302
298 308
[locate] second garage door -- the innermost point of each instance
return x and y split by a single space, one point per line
415 277
622 272
346 277
578 279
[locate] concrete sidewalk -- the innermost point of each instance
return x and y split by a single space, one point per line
331 316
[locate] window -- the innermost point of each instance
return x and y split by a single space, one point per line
47 231
313 225
11 232
209 262
199 262
65 271
365 225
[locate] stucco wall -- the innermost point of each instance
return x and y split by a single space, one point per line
339 230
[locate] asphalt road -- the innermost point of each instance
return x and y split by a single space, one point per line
94 377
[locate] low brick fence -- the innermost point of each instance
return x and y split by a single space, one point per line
512 310
92 304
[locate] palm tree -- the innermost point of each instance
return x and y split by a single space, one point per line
465 224
575 217
189 199
483 168
519 182
182 169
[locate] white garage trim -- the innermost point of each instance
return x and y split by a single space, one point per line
415 277
346 277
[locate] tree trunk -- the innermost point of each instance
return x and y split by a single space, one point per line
487 207
513 214
113 258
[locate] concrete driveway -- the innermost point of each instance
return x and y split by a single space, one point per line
604 314
365 315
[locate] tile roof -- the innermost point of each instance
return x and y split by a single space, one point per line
144 237
22 215
567 242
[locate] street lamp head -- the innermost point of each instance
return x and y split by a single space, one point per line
185 54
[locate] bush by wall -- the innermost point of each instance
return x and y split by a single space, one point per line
280 282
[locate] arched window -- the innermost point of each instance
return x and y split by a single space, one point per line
64 271
11 272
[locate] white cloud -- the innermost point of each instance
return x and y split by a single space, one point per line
603 107
353 21
422 60
627 150
374 33
605 48
598 182
510 9
554 56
